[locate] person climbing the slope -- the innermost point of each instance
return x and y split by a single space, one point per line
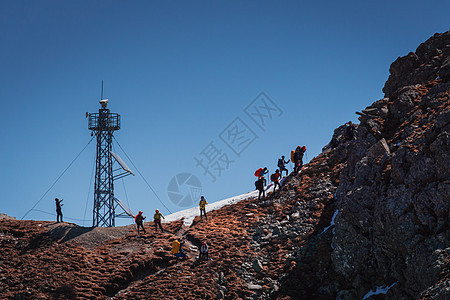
260 183
202 205
349 132
177 249
58 210
275 178
139 219
261 172
282 165
203 252
298 158
157 219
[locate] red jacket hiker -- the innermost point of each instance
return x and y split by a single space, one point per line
139 221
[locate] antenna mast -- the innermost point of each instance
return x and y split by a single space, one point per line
103 124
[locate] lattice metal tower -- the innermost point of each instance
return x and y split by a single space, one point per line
103 124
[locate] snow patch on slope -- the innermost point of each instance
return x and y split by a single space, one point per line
190 213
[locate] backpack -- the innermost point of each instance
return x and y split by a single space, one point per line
175 247
273 177
258 172
280 163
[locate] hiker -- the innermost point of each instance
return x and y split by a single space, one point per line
261 172
260 183
58 209
139 219
275 177
298 158
203 252
349 132
264 172
177 249
282 165
157 219
202 205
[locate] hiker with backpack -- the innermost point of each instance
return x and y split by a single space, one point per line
275 178
157 219
261 172
202 205
203 252
259 184
282 165
349 132
139 219
298 158
177 249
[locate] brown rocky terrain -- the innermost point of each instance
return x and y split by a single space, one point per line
366 213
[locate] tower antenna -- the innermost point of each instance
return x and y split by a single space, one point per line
103 124
101 98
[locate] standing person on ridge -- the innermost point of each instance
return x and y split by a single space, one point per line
58 209
202 205
139 219
157 219
282 165
275 177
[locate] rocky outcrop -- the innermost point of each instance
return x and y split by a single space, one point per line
394 193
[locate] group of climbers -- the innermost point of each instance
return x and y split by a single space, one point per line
177 246
139 220
178 250
296 158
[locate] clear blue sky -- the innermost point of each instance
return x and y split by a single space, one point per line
180 73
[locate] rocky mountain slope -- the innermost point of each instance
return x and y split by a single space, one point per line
367 213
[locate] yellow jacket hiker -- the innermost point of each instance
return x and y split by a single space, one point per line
157 219
202 205
177 249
